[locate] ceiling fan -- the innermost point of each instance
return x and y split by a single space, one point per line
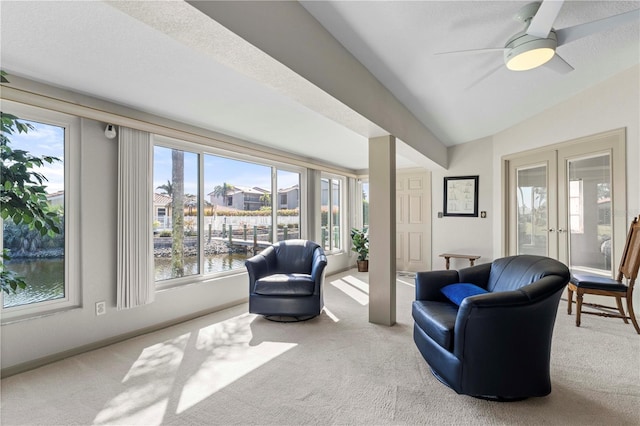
536 44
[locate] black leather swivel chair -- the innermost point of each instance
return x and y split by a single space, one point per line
494 345
285 280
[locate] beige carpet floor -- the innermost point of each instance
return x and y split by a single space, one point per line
234 368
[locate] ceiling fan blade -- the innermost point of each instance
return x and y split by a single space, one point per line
473 51
559 65
569 34
542 22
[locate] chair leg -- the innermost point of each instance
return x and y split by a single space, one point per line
621 309
570 300
632 314
578 307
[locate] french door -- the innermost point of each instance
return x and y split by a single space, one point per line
568 202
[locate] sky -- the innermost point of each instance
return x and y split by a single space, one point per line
44 140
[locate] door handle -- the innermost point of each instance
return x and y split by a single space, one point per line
562 230
552 230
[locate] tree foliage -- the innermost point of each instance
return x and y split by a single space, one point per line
265 199
222 190
167 188
22 190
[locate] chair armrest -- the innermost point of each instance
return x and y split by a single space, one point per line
261 265
257 268
428 284
318 266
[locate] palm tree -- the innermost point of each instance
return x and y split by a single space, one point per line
221 191
265 199
191 203
177 210
167 188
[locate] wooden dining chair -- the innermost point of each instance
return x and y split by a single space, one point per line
602 286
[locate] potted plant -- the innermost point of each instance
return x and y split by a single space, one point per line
360 245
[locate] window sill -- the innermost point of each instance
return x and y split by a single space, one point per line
14 319
182 282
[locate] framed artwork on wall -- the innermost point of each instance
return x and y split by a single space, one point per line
461 196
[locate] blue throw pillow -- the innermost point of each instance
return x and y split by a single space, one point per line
457 292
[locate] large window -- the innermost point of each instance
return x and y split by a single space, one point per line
228 205
331 214
44 262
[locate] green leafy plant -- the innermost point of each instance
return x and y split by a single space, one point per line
23 196
360 243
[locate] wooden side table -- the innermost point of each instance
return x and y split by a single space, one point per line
472 258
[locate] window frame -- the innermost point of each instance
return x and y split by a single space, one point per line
72 177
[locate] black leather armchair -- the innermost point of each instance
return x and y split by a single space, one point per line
285 280
494 345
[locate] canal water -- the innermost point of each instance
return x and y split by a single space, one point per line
212 264
45 277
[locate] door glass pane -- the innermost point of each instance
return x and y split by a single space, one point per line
288 207
532 210
589 192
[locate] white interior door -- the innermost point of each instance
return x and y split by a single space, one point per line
413 221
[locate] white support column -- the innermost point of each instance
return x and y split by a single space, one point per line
382 230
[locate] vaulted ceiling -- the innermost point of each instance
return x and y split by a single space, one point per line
170 59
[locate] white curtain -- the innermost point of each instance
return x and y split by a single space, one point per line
136 286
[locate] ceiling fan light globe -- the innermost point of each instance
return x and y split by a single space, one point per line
527 52
530 59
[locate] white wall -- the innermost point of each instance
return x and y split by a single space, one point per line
468 235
